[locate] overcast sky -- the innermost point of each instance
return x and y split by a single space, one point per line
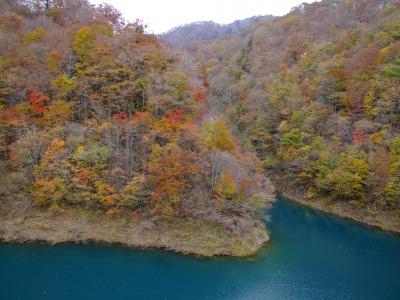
162 15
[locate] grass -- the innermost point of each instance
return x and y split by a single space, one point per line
188 236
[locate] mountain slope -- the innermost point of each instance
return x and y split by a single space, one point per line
100 124
207 31
316 94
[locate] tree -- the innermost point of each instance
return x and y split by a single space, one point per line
172 174
359 137
113 16
57 113
175 116
217 136
47 4
392 188
349 179
330 91
93 155
227 188
41 6
49 192
38 102
84 44
292 138
392 71
133 194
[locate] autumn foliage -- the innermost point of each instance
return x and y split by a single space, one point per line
38 102
120 118
96 116
172 174
316 95
175 116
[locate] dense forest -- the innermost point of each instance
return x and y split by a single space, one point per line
96 115
316 94
99 116
185 35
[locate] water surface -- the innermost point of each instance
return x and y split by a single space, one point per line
312 256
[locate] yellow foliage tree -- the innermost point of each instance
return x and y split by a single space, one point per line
227 187
217 137
57 113
48 192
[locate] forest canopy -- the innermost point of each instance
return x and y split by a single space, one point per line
316 94
96 114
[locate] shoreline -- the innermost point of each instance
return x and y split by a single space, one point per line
188 237
385 221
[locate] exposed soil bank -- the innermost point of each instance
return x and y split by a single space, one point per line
385 220
188 236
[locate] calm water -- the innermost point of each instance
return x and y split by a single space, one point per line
312 256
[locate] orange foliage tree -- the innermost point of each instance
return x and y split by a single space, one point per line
38 102
172 173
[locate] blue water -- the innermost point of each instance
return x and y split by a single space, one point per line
312 256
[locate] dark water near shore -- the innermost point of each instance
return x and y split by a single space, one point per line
312 256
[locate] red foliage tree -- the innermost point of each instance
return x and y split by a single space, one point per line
38 101
140 117
200 96
120 118
359 137
175 115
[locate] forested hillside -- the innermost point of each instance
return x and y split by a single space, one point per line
95 116
173 140
316 94
185 35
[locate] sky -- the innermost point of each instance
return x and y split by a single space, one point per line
162 15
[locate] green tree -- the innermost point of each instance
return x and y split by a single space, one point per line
392 188
349 179
93 155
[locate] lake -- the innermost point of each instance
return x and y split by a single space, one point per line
312 255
